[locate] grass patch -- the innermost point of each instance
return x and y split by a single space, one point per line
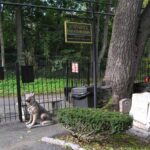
40 85
113 142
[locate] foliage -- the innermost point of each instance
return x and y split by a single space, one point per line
44 83
108 105
40 86
49 77
92 123
145 2
143 70
43 29
114 142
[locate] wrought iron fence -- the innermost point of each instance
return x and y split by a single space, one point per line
143 75
8 90
51 82
51 85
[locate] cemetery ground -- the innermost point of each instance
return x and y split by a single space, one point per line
15 136
93 132
114 142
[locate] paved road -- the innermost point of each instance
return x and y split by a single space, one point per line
15 136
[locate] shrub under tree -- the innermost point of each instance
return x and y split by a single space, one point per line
90 124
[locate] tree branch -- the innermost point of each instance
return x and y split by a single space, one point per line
142 37
144 29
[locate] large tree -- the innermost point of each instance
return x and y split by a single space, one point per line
131 30
105 36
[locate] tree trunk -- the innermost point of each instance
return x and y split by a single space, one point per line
19 33
2 43
105 38
97 25
147 48
126 47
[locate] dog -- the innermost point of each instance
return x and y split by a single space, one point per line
36 111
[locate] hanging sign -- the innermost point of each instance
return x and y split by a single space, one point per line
78 32
27 74
1 73
75 67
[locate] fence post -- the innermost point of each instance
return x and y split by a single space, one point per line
18 91
94 58
67 78
88 73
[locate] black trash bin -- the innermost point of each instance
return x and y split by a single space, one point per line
82 97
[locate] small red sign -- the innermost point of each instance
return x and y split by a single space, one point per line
75 67
146 80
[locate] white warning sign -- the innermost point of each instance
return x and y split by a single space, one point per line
75 67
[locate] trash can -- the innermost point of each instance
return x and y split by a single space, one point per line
82 97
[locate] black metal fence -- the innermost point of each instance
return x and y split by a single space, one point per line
8 90
50 82
143 75
51 85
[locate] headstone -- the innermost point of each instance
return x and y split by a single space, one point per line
140 111
125 105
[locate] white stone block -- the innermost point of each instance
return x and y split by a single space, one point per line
125 105
140 108
140 111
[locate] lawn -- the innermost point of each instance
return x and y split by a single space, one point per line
40 85
114 142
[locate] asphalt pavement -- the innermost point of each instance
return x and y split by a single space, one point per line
15 136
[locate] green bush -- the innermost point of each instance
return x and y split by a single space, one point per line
90 122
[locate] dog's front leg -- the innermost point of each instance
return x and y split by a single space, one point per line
30 120
35 117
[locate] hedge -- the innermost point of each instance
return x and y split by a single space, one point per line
90 122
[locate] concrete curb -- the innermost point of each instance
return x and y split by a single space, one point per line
61 143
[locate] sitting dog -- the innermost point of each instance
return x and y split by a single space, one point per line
36 111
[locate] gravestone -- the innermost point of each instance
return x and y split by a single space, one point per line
125 105
140 111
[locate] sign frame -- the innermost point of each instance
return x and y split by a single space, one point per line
76 41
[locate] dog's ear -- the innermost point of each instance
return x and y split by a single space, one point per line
32 94
25 95
29 96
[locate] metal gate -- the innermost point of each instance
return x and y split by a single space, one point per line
51 88
8 96
51 85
